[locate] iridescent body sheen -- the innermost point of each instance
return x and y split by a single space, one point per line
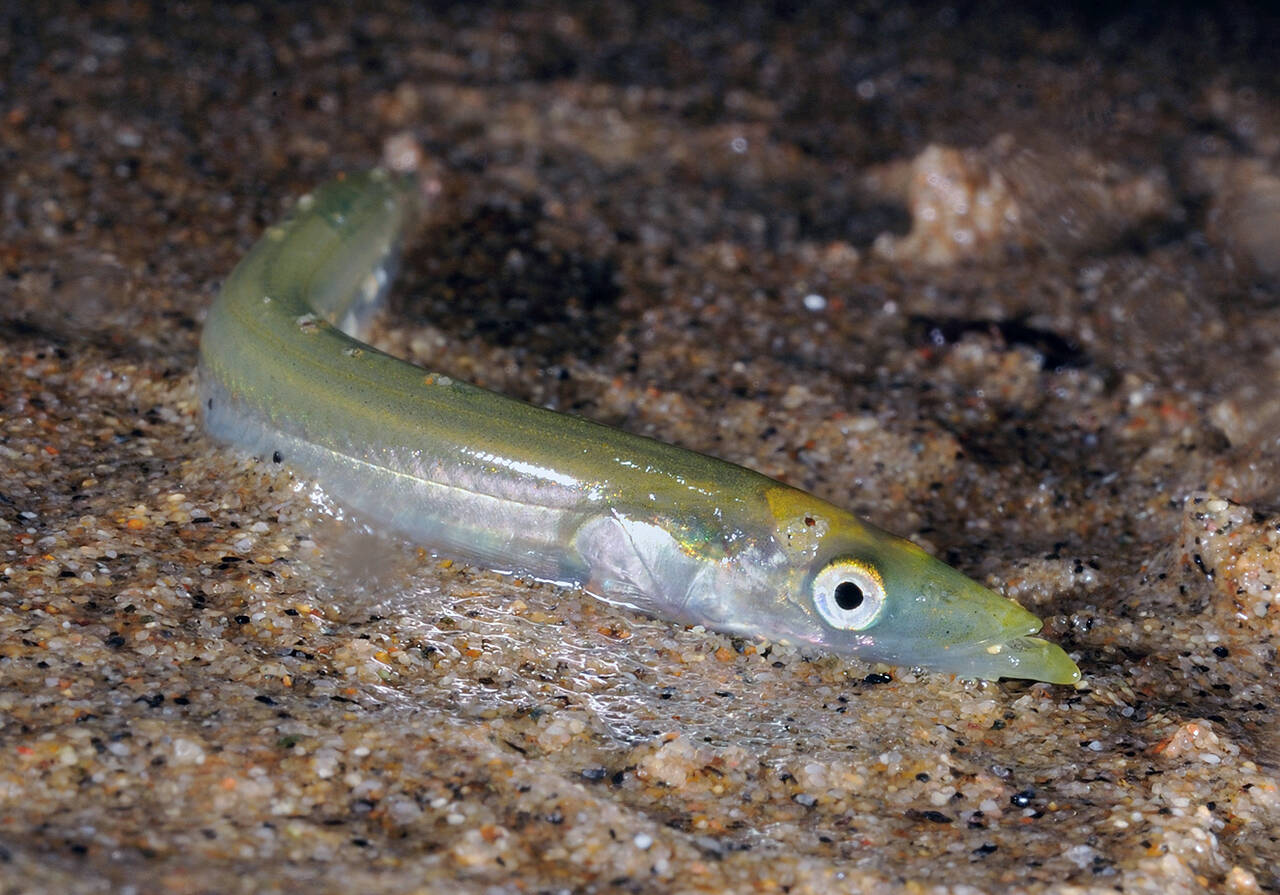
500 483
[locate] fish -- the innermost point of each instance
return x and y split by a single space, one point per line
284 374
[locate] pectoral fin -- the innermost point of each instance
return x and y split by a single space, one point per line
636 564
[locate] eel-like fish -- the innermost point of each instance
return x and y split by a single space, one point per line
502 484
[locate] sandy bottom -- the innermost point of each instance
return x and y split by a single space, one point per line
1006 286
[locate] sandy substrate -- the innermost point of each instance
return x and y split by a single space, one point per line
1004 285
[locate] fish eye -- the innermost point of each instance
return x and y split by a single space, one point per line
848 594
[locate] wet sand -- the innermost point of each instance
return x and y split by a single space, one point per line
1004 285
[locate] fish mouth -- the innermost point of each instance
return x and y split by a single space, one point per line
982 634
1030 658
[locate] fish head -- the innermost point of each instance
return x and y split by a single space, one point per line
864 592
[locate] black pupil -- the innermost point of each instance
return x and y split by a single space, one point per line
848 595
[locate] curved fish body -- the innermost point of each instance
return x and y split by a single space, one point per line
494 481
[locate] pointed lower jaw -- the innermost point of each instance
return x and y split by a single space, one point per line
1029 658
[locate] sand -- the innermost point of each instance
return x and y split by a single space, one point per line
1006 285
